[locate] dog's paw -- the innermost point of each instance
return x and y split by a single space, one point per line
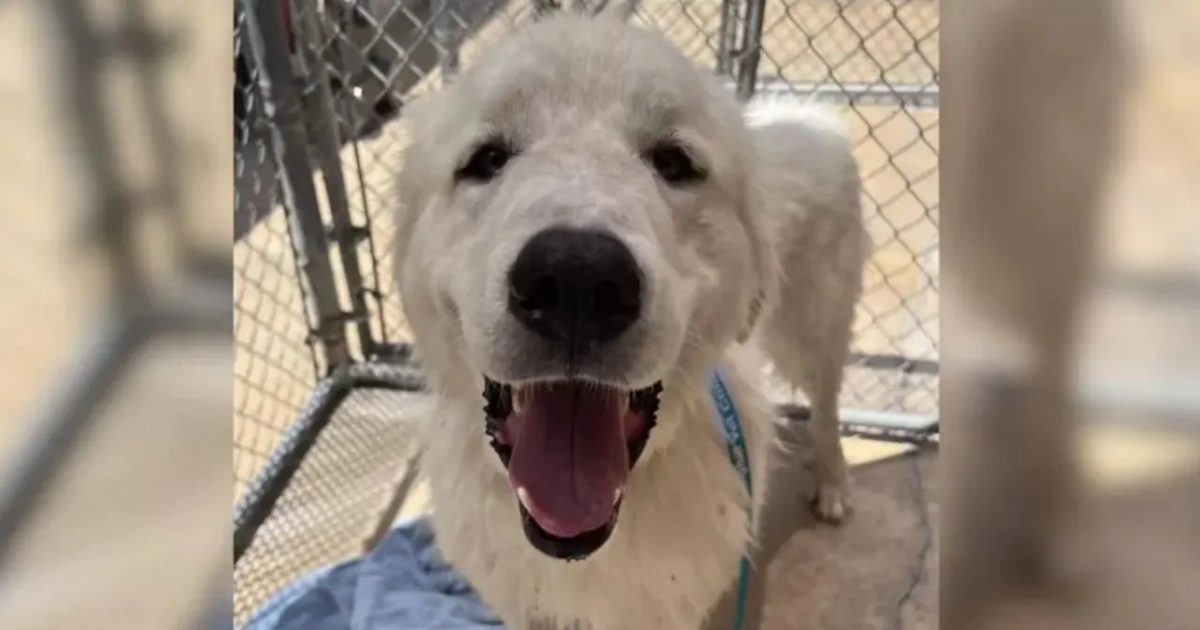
831 503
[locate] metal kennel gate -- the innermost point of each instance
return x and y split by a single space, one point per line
324 379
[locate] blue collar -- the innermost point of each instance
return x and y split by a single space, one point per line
730 424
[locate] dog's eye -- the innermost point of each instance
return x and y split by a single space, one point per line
486 162
673 164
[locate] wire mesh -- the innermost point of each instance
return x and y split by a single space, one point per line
876 59
410 47
331 504
879 60
357 63
275 369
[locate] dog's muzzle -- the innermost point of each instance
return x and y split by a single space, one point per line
569 442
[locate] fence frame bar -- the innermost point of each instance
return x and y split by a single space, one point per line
320 100
750 52
257 504
727 37
284 107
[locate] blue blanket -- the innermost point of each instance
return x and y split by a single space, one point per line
403 584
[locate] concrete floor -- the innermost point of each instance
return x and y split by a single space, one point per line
857 576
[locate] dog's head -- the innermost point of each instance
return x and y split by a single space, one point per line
580 229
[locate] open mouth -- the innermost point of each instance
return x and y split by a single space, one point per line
568 446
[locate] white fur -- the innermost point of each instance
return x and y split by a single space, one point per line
766 109
783 197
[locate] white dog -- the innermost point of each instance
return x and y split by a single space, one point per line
589 228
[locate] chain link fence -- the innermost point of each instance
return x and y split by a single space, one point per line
878 59
321 339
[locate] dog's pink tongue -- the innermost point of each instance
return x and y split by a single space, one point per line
569 457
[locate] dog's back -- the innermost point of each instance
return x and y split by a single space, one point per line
807 164
811 190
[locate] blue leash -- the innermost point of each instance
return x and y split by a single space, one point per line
735 439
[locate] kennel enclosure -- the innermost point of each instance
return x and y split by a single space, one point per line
327 388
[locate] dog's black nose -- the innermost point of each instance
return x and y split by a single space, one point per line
579 286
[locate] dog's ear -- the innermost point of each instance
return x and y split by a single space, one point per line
764 263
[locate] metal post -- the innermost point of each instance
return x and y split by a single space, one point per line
108 223
267 35
62 425
727 37
751 50
148 49
328 150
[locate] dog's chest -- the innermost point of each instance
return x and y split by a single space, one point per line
665 566
676 549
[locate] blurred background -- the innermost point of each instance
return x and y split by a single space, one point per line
117 390
1070 311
